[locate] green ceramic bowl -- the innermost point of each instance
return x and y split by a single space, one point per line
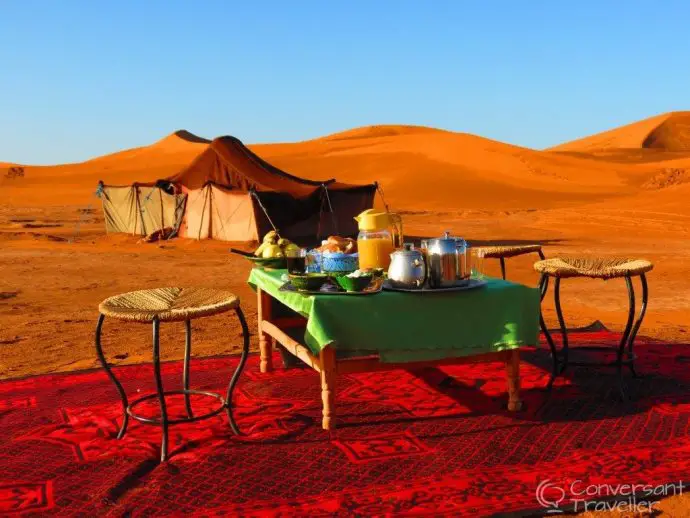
353 283
308 282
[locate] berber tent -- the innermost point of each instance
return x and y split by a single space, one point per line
231 194
234 195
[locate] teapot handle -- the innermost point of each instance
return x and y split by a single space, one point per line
425 262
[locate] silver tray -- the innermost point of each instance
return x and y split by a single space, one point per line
460 286
375 287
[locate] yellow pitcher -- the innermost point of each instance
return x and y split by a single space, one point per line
380 233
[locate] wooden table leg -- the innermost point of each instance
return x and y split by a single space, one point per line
265 341
513 372
328 375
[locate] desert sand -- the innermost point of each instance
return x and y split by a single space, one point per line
622 192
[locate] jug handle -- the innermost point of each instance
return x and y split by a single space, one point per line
398 226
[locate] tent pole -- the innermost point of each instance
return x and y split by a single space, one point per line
207 194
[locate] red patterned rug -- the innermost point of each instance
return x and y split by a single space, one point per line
435 441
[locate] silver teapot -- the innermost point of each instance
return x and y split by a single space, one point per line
446 261
407 269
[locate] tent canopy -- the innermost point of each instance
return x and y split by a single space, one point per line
228 162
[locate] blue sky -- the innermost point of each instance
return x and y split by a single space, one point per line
79 78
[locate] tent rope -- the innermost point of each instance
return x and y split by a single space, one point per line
334 220
256 197
325 197
379 189
84 212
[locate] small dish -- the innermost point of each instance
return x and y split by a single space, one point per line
353 283
308 282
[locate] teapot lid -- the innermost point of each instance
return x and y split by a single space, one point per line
446 237
406 250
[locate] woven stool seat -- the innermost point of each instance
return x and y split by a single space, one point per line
168 304
594 267
496 252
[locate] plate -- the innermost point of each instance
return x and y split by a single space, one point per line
375 287
461 286
270 263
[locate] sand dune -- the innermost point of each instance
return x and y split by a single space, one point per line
380 130
668 132
455 170
419 168
76 183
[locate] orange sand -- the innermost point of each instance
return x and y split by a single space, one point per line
622 192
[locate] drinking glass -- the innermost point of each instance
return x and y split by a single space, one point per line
296 261
477 263
313 261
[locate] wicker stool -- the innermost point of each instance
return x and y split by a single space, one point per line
171 305
503 252
561 268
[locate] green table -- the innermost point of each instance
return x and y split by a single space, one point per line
358 333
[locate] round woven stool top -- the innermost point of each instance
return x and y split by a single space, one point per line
496 252
594 267
168 304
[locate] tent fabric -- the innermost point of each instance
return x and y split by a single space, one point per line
216 213
120 208
230 163
158 209
140 209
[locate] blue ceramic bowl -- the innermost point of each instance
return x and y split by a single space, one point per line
338 262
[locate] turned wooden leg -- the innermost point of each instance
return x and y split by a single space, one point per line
513 372
265 341
328 374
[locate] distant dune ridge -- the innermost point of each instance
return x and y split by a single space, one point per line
666 132
420 168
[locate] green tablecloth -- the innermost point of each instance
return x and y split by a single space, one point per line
405 327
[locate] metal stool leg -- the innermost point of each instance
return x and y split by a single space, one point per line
238 371
638 323
118 386
159 388
546 281
185 372
561 323
543 285
503 267
626 334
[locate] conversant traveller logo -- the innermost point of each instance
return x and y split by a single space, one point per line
579 496
550 496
